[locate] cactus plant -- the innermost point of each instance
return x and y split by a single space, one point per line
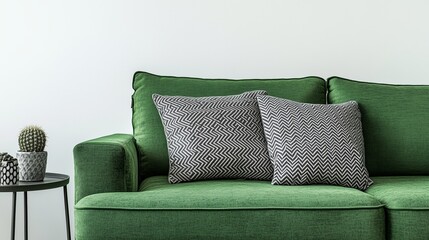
31 157
32 139
2 155
6 157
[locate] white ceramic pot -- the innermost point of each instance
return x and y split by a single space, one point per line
32 166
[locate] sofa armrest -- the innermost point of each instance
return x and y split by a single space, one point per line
105 164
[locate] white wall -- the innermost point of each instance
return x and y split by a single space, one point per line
67 66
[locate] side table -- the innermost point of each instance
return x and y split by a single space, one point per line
52 180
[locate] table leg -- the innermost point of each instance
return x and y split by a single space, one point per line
12 233
25 217
66 208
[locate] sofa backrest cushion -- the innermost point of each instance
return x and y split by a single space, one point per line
147 125
395 120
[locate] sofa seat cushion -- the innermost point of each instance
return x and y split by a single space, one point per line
406 199
230 209
239 193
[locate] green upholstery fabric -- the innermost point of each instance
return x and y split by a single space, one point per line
109 205
407 203
395 124
157 193
147 125
230 209
402 192
106 164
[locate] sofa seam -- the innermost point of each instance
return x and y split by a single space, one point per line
230 209
417 209
229 79
375 83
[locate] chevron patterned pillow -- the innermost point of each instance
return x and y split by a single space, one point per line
214 137
314 143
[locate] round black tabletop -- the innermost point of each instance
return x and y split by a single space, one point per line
52 180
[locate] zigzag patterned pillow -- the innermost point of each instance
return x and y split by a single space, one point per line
214 137
314 143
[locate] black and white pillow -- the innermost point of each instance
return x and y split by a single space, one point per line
314 143
214 137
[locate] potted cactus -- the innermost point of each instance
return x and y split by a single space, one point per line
31 157
8 169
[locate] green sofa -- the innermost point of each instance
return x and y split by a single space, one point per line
122 191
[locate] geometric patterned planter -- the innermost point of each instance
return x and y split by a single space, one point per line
9 172
32 166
